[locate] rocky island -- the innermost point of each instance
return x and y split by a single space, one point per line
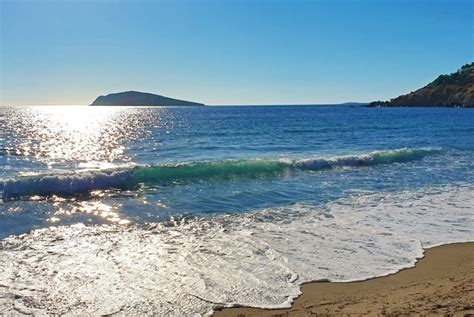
136 98
453 90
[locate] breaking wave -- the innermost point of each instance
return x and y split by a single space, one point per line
129 178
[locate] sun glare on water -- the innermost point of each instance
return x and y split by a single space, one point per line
70 139
87 137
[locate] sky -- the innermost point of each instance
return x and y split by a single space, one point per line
229 51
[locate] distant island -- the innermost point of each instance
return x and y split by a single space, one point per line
136 98
454 90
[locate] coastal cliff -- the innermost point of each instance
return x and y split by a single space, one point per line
136 98
453 90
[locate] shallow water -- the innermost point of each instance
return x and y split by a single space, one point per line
221 205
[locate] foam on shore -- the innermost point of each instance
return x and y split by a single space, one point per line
188 267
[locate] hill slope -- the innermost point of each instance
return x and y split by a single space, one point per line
454 90
136 98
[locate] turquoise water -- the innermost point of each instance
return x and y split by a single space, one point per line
264 171
201 161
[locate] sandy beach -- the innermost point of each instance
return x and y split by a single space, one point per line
441 283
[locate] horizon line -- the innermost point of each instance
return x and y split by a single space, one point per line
205 105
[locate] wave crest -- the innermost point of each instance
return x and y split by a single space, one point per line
80 183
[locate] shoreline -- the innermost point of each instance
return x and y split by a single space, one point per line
439 283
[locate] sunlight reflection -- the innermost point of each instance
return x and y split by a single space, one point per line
94 208
89 137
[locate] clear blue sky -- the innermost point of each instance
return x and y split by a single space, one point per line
229 51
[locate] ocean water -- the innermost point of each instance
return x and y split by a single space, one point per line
177 211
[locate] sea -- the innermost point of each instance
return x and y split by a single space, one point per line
179 211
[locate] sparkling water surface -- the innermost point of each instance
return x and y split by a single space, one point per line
59 140
301 192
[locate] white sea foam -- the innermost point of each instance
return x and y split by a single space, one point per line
259 259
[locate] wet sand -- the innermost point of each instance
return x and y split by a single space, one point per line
441 283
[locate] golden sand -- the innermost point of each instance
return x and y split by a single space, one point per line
441 283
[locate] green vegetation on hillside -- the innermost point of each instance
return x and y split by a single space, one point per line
453 90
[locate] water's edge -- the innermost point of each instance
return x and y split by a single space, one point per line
291 300
266 257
